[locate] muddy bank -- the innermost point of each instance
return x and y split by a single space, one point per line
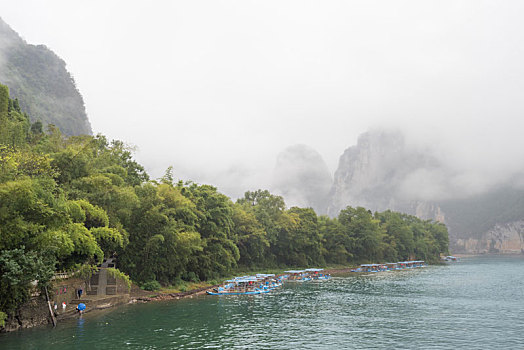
335 272
170 296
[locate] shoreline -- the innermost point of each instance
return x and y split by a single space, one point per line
138 296
170 296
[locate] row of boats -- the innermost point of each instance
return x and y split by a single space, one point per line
264 283
401 265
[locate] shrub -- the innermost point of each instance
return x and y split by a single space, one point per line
3 317
116 273
151 285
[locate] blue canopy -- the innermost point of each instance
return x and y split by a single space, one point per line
248 279
81 306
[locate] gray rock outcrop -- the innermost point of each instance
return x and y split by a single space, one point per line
373 174
506 238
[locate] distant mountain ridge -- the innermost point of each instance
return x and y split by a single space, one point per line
39 79
302 177
382 172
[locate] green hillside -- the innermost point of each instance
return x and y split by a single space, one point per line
39 79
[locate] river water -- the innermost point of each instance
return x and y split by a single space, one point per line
477 303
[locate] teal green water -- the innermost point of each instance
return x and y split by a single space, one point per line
475 304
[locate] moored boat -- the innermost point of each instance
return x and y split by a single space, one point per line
401 265
451 258
298 276
269 280
240 286
391 266
249 285
317 274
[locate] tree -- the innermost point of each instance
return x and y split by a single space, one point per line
268 210
399 235
365 233
299 242
4 110
108 239
336 244
18 269
250 238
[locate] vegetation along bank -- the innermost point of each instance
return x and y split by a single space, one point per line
68 203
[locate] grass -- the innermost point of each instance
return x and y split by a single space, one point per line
184 286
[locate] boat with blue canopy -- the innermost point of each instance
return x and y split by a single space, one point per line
317 274
298 276
401 265
247 285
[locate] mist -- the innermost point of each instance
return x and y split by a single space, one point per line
5 44
218 89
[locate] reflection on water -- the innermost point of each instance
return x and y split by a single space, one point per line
477 303
79 336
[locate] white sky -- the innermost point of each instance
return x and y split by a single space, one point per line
218 88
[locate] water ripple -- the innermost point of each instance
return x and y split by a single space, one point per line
477 303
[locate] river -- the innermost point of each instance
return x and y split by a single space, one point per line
477 303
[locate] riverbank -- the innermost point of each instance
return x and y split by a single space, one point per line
36 313
159 296
169 296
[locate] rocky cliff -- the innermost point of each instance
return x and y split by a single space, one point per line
39 79
377 173
374 172
507 238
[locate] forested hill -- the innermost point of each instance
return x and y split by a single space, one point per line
39 79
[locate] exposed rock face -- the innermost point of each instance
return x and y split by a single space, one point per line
373 174
302 177
505 238
39 79
33 313
377 174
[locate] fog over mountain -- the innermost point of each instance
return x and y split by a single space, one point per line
219 89
415 167
302 177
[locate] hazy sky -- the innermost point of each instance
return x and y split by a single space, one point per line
218 88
